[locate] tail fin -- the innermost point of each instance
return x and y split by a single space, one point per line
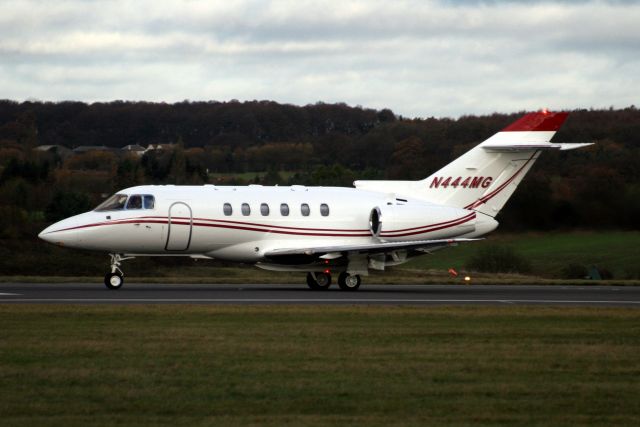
486 176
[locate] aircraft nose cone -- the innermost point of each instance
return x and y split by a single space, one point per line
59 234
43 235
46 234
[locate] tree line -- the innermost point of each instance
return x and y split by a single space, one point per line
321 144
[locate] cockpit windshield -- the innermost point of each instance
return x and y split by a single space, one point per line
135 202
118 202
113 203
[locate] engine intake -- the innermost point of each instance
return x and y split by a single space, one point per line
375 221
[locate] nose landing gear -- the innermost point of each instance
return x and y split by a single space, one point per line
114 279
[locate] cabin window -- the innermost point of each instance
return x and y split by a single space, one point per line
149 202
324 209
264 209
246 210
284 209
304 208
227 209
113 203
135 202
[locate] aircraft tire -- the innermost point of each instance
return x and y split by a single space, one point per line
113 280
349 282
323 281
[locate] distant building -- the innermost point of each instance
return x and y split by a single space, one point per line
160 147
86 148
59 150
136 149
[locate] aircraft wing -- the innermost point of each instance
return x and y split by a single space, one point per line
329 252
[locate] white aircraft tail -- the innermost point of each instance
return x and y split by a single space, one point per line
485 177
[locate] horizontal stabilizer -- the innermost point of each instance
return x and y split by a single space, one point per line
523 146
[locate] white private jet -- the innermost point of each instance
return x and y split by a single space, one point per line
317 230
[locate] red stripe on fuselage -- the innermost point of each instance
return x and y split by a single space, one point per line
254 224
295 233
472 214
266 229
429 230
237 225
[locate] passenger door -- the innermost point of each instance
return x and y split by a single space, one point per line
180 227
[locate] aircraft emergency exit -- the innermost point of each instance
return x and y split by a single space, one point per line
320 231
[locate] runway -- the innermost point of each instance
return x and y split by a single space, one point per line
135 293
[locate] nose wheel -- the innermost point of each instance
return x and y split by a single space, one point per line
114 279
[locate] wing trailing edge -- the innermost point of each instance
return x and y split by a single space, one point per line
370 248
523 146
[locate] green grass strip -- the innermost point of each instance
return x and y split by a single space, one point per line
303 366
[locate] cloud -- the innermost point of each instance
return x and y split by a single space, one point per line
417 58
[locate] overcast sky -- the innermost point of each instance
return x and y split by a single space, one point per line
419 58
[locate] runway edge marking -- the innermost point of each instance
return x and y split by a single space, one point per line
321 300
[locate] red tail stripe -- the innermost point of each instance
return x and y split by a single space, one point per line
537 122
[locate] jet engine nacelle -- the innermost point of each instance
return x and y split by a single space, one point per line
420 221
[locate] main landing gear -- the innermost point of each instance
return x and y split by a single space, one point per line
322 281
318 281
349 282
114 279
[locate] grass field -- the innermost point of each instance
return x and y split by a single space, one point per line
232 365
550 253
